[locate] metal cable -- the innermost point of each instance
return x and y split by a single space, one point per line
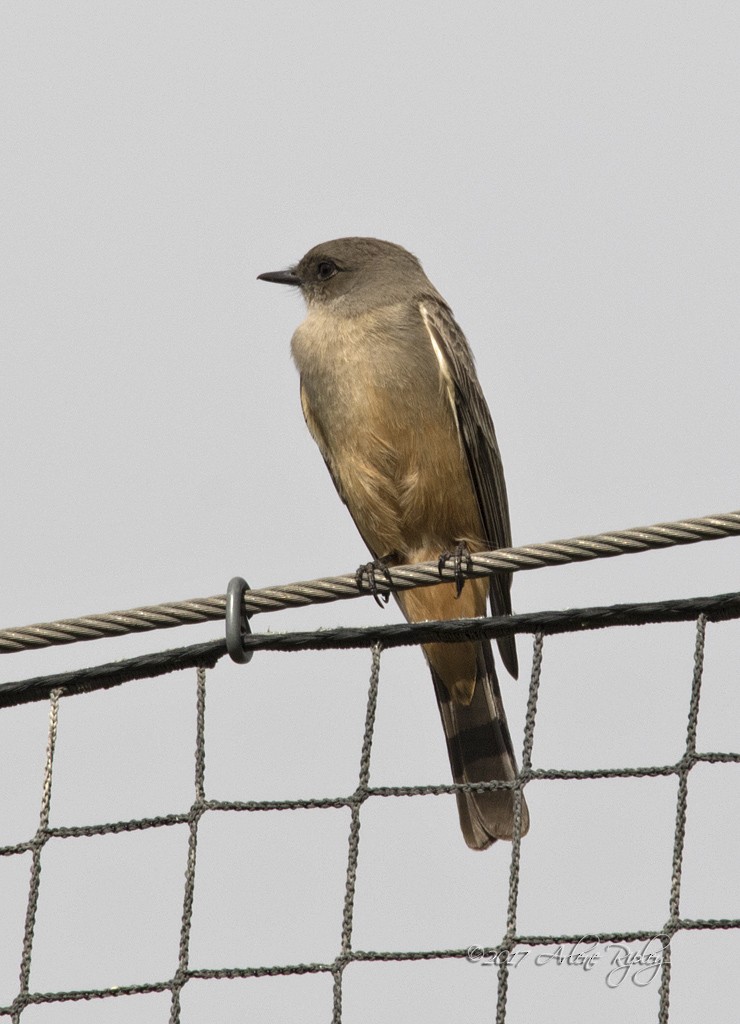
335 588
510 939
196 813
355 801
679 837
36 845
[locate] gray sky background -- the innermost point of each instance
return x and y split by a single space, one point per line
568 176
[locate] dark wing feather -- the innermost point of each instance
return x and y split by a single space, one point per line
481 448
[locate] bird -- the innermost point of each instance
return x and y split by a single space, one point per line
391 397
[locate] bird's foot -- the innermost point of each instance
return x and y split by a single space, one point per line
459 555
366 578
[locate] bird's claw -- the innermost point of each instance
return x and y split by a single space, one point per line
459 555
366 579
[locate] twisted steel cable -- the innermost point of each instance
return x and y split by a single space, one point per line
404 577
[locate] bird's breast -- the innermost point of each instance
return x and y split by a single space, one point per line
379 410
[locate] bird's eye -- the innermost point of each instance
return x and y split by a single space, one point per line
326 269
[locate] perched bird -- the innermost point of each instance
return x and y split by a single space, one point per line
390 394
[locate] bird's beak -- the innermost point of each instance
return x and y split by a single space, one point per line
281 277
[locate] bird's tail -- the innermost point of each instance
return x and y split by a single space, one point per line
480 750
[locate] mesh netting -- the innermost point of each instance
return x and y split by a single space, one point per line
503 955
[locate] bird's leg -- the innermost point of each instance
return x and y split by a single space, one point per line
460 554
366 578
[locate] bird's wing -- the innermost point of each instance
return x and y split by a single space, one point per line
478 439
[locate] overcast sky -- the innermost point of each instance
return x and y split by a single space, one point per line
568 176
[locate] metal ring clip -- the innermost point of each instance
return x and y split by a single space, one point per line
237 621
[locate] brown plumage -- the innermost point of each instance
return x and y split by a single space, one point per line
391 397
